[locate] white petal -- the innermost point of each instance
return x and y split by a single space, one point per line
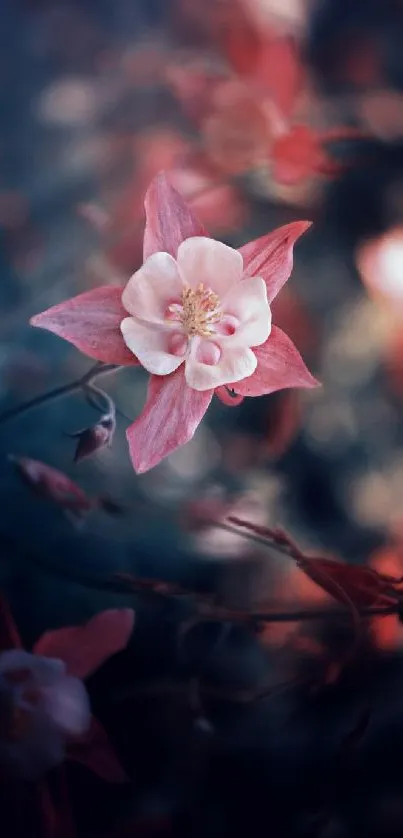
39 669
67 705
212 263
153 287
236 363
151 346
248 303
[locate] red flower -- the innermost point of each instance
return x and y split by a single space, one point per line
175 405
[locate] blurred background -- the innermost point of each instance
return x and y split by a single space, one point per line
261 112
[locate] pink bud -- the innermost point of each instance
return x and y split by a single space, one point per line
53 485
95 438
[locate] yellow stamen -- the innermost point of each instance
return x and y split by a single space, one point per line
198 310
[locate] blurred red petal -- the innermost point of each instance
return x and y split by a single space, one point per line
279 366
169 219
9 637
284 422
271 256
238 38
296 155
95 752
85 648
170 417
280 72
91 322
51 484
236 134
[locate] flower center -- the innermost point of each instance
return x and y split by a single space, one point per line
198 310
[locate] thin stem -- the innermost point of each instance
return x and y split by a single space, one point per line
208 610
58 392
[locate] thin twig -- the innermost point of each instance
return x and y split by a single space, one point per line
58 392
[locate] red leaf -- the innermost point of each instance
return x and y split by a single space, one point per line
53 485
362 586
85 648
95 752
9 637
356 586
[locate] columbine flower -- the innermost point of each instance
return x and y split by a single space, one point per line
196 316
45 713
194 310
40 707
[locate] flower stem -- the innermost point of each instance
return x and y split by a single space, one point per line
58 392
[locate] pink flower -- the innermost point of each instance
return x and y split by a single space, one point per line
196 316
194 310
40 707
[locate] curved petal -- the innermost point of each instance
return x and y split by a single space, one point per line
169 219
212 263
96 752
226 398
151 345
68 706
150 290
279 365
171 415
85 648
236 363
247 301
9 637
271 256
91 322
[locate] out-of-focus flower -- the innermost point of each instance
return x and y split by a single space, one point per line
40 706
182 305
284 15
381 111
380 264
254 119
44 706
387 630
218 204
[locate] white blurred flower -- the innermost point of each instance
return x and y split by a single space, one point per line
40 707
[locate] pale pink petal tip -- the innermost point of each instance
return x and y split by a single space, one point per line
91 322
169 219
271 255
279 367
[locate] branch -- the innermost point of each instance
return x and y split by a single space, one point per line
58 392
